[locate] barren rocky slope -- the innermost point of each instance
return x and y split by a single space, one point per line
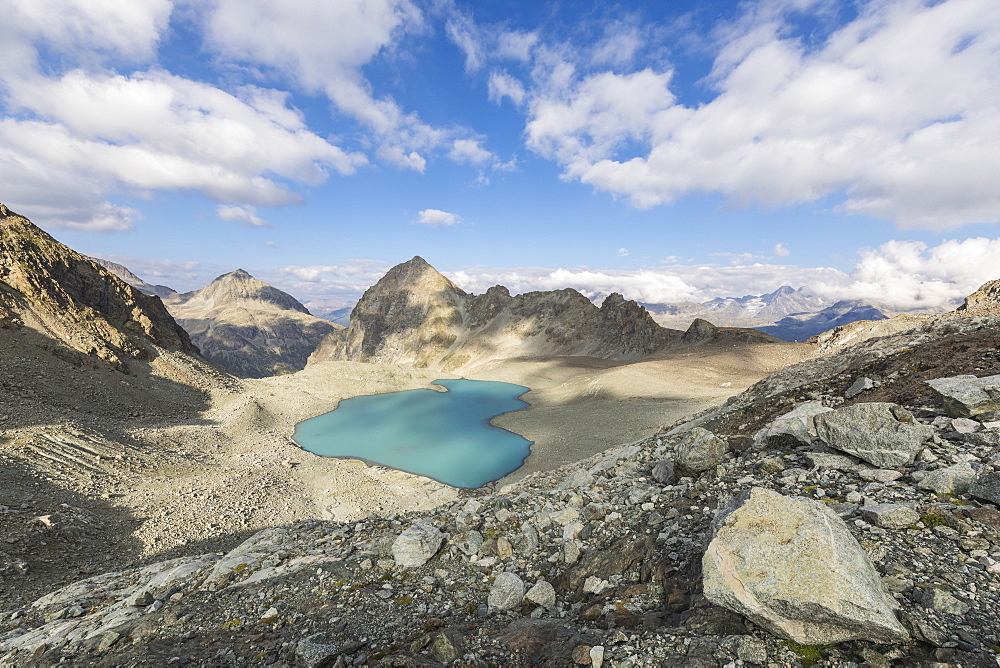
48 290
248 327
842 511
416 316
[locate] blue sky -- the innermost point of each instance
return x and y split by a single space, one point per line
671 151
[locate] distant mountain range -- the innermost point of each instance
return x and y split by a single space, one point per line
414 315
786 313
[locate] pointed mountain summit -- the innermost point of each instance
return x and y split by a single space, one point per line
63 295
249 327
234 288
414 315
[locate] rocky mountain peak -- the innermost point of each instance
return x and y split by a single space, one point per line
700 330
240 286
249 327
415 315
66 296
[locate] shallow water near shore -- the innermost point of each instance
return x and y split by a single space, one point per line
446 436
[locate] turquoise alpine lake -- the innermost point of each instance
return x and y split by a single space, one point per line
446 435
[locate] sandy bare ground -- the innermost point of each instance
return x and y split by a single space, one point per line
205 475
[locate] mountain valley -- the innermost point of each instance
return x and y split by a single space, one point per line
665 460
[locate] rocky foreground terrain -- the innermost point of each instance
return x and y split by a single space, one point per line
842 511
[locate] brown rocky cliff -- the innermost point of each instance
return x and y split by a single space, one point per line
66 296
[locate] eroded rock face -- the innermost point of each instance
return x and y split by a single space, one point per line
61 294
987 295
882 434
968 396
790 565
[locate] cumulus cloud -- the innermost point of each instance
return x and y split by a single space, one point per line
898 276
70 140
910 275
323 46
781 251
516 45
896 112
470 151
622 252
244 215
344 282
437 218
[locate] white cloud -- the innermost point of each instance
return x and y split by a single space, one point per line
516 45
502 84
898 112
622 252
343 283
88 30
437 218
463 32
97 134
180 276
781 251
470 151
72 138
244 215
323 46
909 275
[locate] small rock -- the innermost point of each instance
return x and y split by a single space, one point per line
507 592
699 450
952 480
790 565
597 656
316 650
859 386
751 650
883 434
986 487
543 593
663 472
442 649
941 601
581 655
968 396
890 515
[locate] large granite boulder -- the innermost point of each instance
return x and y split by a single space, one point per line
792 429
883 434
790 565
699 450
968 396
